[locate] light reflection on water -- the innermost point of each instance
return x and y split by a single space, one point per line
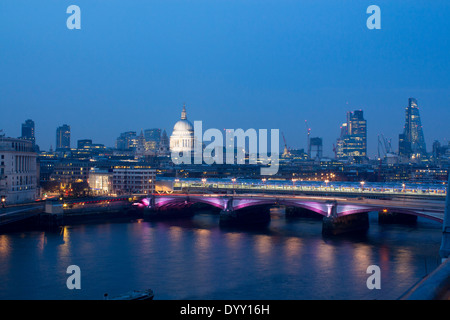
196 259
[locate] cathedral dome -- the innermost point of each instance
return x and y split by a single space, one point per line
182 138
183 125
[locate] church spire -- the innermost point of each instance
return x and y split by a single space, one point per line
183 113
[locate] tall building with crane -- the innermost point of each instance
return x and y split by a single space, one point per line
286 152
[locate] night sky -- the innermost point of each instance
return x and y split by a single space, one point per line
235 63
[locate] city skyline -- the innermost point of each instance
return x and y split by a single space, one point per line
236 65
327 153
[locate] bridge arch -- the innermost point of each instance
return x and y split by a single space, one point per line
166 202
387 210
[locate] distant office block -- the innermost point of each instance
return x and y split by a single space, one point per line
63 137
315 146
127 141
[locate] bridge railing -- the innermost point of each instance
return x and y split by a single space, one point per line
435 286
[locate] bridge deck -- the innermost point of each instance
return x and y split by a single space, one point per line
17 213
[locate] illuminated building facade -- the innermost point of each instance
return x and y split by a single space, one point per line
133 179
100 181
152 140
67 171
353 140
18 171
85 148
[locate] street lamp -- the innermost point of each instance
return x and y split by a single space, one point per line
362 185
293 185
151 186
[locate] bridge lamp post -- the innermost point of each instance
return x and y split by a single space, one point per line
362 185
234 181
403 187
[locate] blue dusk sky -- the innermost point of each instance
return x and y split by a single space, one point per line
263 64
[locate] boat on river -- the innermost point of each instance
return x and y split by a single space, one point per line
134 295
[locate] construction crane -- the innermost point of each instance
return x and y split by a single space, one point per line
286 150
308 132
384 147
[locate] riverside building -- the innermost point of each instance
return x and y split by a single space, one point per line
18 171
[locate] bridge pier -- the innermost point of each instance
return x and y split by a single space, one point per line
388 217
353 223
53 215
333 224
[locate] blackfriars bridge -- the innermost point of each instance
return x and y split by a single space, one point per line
325 206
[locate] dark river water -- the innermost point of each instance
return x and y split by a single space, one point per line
194 258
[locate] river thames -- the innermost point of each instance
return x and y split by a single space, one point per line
194 258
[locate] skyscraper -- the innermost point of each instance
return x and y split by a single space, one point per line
28 131
63 137
411 142
353 139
